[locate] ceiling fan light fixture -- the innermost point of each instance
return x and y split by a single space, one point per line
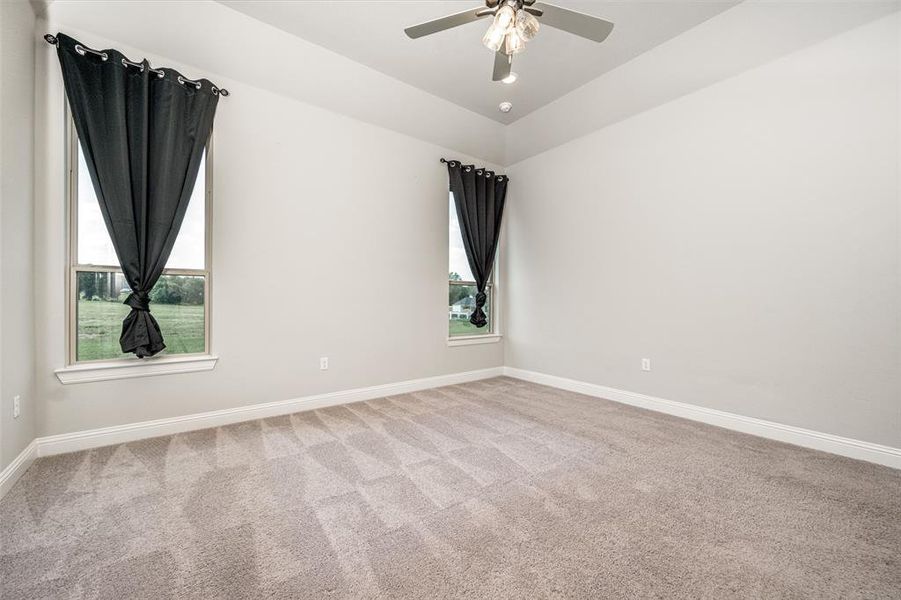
513 25
526 25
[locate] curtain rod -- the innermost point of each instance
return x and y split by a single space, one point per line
51 39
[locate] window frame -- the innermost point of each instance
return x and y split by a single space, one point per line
493 334
74 267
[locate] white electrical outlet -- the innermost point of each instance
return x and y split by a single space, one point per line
323 363
645 364
16 407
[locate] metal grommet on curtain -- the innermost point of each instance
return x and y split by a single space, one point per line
468 169
128 63
159 73
184 81
82 50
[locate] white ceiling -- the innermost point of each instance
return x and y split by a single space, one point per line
455 66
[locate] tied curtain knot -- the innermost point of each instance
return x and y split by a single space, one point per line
138 301
478 317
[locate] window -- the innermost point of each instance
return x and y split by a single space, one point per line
180 300
462 286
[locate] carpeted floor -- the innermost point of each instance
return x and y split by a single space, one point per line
494 489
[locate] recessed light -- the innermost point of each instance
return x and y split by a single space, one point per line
505 107
510 78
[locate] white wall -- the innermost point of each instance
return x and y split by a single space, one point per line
329 239
16 227
745 237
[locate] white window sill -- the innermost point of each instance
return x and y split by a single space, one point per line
471 340
137 367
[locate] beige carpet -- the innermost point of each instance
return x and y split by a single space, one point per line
495 489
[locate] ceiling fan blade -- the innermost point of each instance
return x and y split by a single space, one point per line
454 20
503 64
577 23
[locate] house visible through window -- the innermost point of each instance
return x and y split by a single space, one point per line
462 286
179 300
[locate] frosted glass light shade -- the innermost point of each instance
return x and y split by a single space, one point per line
514 44
494 38
505 18
526 25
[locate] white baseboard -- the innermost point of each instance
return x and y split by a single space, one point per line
10 475
95 438
107 436
875 453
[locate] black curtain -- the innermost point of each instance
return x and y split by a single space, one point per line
479 197
143 133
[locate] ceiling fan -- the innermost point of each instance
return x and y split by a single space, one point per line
515 23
